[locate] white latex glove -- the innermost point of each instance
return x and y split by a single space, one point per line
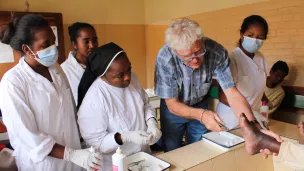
263 121
83 158
153 130
136 137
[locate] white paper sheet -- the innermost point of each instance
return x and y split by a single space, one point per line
54 28
6 53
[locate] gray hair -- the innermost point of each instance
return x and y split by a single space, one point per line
183 33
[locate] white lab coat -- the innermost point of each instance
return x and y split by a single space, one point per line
38 114
106 110
250 78
74 72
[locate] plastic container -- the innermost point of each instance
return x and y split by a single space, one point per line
223 140
118 161
264 109
150 161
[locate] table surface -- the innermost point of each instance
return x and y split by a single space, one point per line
204 156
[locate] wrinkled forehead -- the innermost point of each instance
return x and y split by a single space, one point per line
195 47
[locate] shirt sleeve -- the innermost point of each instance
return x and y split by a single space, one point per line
222 71
21 123
234 69
291 155
266 66
164 78
93 123
148 109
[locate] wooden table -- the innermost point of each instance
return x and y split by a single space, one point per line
201 156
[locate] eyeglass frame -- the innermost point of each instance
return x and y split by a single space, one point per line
197 56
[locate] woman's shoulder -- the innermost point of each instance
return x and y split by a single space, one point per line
235 53
14 76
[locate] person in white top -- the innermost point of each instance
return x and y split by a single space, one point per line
83 40
37 105
248 68
114 108
273 91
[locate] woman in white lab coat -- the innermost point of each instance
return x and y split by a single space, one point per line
114 109
83 40
248 68
37 104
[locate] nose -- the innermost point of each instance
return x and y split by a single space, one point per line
127 77
91 44
195 60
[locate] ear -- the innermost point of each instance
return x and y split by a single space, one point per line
241 36
27 50
270 72
74 45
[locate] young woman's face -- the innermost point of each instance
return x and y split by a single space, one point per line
86 42
119 73
255 31
43 38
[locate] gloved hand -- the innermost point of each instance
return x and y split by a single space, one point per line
263 121
84 158
153 130
136 137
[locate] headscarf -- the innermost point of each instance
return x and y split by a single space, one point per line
98 63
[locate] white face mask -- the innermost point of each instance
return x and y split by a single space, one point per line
47 57
252 45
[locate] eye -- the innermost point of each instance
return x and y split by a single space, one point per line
45 45
120 75
86 41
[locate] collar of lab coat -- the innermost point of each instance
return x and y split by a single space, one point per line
42 84
73 62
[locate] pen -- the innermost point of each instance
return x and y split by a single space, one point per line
222 126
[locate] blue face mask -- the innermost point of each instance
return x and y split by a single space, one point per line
46 57
252 45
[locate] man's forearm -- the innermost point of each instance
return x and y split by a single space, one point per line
180 109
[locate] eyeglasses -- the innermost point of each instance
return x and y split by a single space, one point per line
197 56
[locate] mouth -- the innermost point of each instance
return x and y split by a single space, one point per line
127 83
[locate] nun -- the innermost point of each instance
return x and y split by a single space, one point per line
114 110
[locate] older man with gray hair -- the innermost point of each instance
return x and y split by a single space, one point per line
183 74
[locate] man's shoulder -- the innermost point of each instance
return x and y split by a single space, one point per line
165 54
165 58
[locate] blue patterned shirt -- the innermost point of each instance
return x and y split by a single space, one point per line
173 79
